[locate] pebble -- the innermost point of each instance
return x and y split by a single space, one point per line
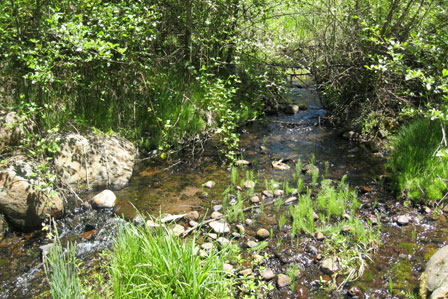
242 163
105 199
279 192
45 249
346 229
212 236
330 265
246 272
236 235
219 227
255 199
258 258
373 219
356 292
301 292
283 280
227 268
178 230
223 241
216 215
320 236
267 274
263 233
88 235
217 208
241 229
268 193
249 221
209 184
403 220
207 246
251 244
249 184
193 223
203 253
193 215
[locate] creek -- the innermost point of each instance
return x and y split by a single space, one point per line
175 186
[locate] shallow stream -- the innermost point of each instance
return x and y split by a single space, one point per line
175 187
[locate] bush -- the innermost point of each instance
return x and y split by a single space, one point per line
421 175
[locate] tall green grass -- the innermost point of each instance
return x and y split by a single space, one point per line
152 263
420 175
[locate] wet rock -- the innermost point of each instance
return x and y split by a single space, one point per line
280 165
209 184
310 169
126 210
330 265
45 249
23 200
251 243
241 229
283 280
227 268
217 208
301 291
268 193
216 215
255 199
242 163
104 199
319 236
212 236
291 109
436 272
263 233
267 274
246 272
258 258
89 234
219 227
249 221
193 215
94 160
403 220
249 184
193 223
236 235
356 292
373 219
13 129
291 199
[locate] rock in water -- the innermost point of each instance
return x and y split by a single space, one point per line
330 265
267 274
283 280
437 274
25 198
94 161
209 184
291 109
219 227
263 233
105 199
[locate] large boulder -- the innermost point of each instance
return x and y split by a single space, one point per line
25 198
13 129
436 274
94 161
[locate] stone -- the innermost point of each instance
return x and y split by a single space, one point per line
241 229
212 236
249 221
403 220
291 109
216 215
263 233
258 258
193 215
89 234
246 272
203 253
373 219
219 227
104 199
283 280
217 208
436 272
227 268
45 249
23 200
178 229
193 223
242 163
236 235
94 161
330 265
310 169
355 292
268 193
319 236
223 241
280 165
255 199
13 129
207 246
126 210
251 243
279 193
249 184
267 274
209 184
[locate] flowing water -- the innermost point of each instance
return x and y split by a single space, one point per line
175 186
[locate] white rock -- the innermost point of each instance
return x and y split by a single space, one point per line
105 199
267 274
219 227
209 184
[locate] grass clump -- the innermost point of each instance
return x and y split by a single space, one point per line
417 164
153 263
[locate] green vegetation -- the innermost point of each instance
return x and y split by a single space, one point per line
419 167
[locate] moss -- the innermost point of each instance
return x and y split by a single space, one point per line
402 272
410 247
